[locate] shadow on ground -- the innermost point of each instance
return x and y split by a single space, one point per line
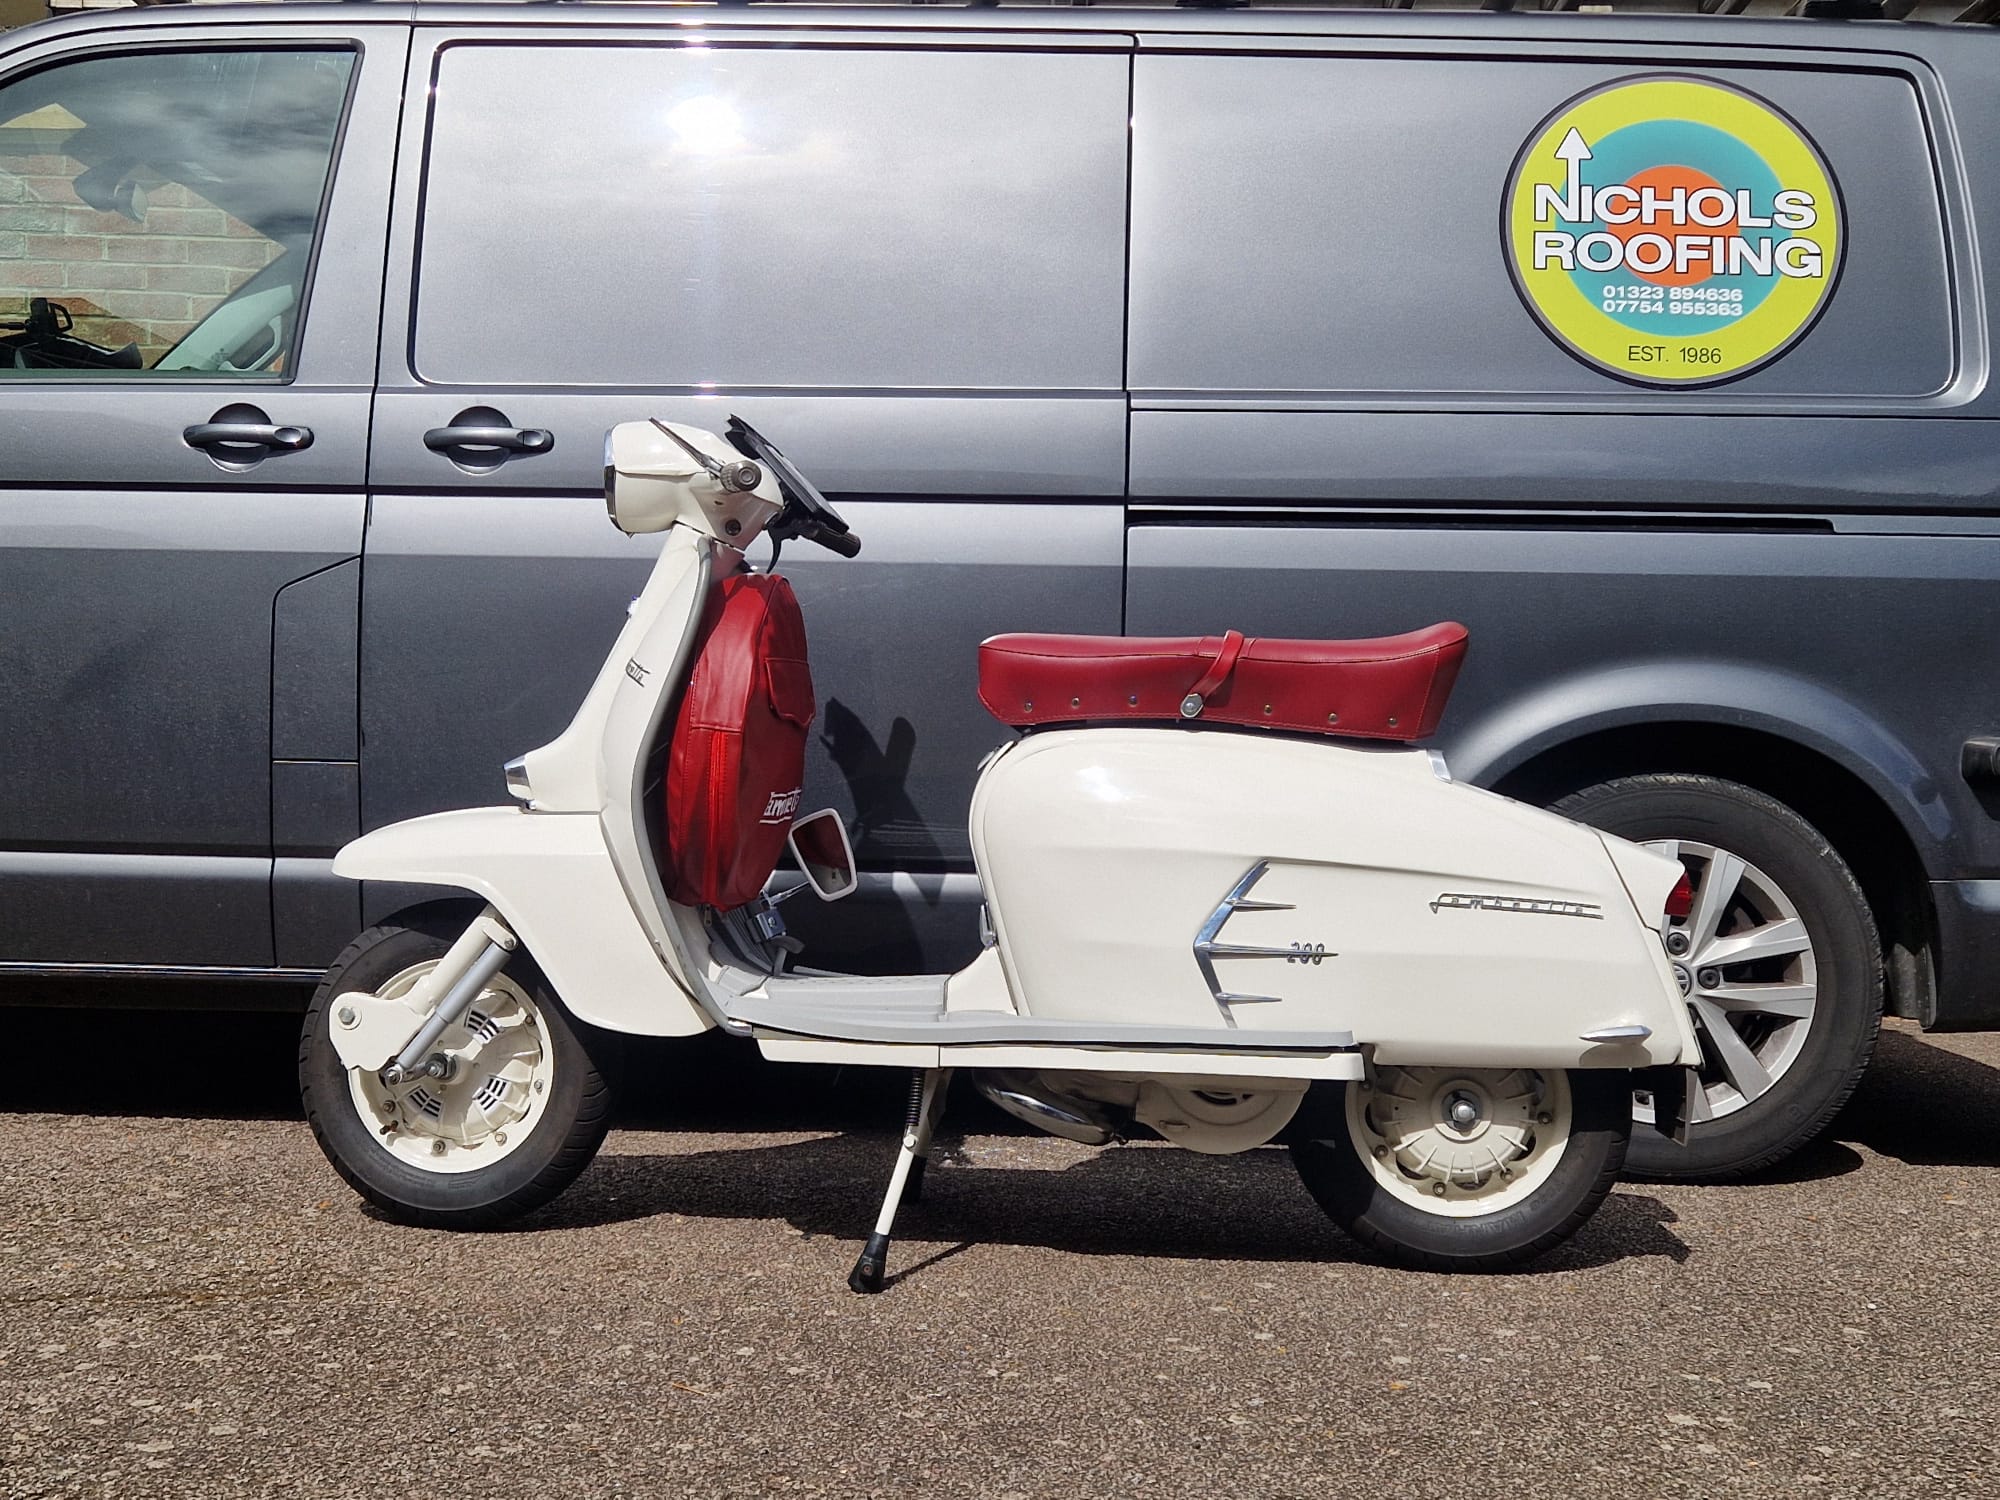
1923 1105
163 1062
1140 1201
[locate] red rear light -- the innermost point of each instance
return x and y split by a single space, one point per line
1680 900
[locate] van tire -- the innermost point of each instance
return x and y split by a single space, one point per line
558 1135
1789 866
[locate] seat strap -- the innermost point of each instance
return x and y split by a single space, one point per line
1217 674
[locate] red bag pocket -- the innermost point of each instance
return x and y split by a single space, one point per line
789 684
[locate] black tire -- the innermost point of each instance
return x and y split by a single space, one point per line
562 1135
1329 1162
1847 954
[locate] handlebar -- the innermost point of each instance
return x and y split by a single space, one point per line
846 543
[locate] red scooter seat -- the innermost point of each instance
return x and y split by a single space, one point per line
1390 688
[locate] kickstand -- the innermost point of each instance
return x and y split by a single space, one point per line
927 1089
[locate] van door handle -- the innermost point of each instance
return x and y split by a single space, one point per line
525 440
218 438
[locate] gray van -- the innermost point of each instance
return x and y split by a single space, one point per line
1655 349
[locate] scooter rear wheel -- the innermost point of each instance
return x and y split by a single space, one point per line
1464 1169
521 1114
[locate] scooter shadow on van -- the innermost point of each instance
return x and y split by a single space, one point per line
877 778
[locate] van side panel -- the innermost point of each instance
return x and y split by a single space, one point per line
1361 427
1359 198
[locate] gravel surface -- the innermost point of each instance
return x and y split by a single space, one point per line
195 1306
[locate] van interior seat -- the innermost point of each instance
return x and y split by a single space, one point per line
1388 688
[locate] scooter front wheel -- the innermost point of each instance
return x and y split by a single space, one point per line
521 1111
1464 1169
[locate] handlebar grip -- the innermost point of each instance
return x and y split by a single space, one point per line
846 543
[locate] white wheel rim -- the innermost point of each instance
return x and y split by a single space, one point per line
502 1071
1460 1142
1750 975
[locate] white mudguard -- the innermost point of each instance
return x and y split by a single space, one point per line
550 877
1206 877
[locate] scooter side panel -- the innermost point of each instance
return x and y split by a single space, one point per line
550 877
1438 923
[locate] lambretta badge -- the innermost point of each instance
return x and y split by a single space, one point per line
781 806
636 672
1531 905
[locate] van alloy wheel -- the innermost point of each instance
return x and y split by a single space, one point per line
487 1105
1780 959
1746 964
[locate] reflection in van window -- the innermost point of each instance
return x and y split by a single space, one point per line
669 215
157 210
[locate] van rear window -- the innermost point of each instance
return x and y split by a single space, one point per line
1354 225
696 215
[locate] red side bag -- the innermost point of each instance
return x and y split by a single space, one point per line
739 747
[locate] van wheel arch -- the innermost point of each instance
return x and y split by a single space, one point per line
1850 813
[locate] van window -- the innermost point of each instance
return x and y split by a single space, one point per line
1334 225
692 214
157 210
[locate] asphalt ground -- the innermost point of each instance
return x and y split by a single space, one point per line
192 1304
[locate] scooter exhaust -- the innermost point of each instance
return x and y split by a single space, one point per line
1027 1100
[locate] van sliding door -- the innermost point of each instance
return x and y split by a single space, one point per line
1354 422
903 262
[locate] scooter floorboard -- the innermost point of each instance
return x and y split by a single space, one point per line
911 1011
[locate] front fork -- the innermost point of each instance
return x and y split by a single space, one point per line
375 1035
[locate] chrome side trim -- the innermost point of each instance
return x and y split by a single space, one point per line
25 969
516 771
1207 950
1617 1034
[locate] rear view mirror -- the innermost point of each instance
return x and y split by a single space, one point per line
819 843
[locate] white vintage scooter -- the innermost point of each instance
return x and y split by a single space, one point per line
1225 899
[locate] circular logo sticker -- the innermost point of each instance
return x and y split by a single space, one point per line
1672 231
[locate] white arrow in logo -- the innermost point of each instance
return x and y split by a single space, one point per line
1570 206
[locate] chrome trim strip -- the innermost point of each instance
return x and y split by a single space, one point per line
1617 1034
1207 949
13 967
1248 950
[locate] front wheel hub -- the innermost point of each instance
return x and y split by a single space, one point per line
479 1094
